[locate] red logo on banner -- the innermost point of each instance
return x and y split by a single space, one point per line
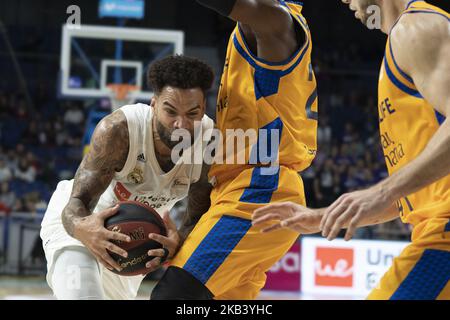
334 267
121 192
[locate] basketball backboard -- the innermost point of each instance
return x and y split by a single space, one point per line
93 57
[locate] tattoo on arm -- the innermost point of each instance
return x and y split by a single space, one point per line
107 155
198 203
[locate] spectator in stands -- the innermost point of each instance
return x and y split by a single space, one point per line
11 159
7 197
25 171
61 138
3 106
21 151
74 116
49 134
351 182
74 120
349 133
21 110
324 133
324 184
5 172
31 134
19 205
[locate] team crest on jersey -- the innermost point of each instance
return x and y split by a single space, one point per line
136 176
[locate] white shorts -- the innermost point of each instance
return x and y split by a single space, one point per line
55 239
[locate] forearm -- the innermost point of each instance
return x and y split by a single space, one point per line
72 213
431 165
367 220
199 203
382 217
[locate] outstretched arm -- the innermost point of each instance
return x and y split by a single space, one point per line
268 26
307 221
421 45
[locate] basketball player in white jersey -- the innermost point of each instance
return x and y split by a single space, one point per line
129 159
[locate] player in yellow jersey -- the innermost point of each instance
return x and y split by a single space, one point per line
414 105
268 88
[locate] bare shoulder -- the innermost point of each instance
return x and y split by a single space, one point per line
420 35
110 142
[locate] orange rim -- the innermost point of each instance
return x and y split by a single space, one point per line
121 90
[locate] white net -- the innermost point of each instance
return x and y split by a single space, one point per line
121 95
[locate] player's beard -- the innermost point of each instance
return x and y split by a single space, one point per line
165 135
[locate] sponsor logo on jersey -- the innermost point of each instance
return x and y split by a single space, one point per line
121 192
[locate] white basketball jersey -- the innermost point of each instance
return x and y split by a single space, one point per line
142 179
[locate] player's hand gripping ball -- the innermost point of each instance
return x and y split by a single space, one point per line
137 221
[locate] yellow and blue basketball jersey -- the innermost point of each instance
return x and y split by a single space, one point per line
407 123
224 251
256 94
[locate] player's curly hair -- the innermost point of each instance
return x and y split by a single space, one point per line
180 72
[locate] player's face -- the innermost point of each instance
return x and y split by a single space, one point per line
360 8
178 109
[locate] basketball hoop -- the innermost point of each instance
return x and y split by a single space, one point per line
121 94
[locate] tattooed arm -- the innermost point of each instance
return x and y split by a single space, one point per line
198 203
107 155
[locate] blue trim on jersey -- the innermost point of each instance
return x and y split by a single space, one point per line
410 3
440 118
399 84
282 63
447 227
269 63
265 142
427 279
216 247
433 12
407 77
244 54
266 81
262 186
291 1
306 47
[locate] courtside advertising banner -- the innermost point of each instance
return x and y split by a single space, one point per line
285 275
351 268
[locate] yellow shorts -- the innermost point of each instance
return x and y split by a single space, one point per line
422 270
224 251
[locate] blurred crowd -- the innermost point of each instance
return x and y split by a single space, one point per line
38 148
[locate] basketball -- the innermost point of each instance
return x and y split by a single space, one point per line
137 221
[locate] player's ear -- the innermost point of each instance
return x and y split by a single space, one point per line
153 102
